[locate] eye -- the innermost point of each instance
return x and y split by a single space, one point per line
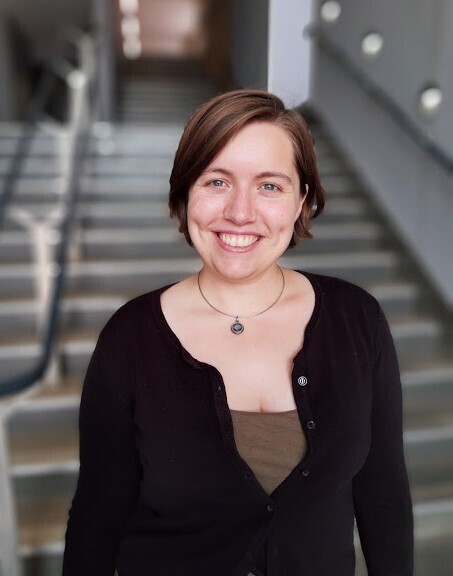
270 187
217 183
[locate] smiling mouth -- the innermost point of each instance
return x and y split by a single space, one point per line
240 241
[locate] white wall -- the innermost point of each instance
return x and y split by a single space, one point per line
417 50
269 48
289 50
414 191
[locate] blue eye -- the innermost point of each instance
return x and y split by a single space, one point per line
270 187
217 183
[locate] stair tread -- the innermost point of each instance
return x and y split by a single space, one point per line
42 528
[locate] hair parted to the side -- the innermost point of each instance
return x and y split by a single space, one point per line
215 123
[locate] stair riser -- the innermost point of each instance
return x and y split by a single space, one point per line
151 167
43 565
34 166
426 403
399 305
86 320
109 251
16 253
144 220
17 287
112 283
122 284
429 462
17 366
418 347
19 324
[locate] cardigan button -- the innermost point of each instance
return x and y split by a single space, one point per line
271 507
311 425
305 472
302 380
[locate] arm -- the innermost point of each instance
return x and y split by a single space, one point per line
382 500
109 466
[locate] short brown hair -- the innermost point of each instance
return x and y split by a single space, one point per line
215 123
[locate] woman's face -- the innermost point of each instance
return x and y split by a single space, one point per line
242 208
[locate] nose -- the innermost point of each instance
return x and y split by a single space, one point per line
240 205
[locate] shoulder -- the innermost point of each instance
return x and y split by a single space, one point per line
133 318
336 292
345 308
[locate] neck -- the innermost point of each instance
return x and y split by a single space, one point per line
245 297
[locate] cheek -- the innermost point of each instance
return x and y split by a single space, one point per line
201 210
196 207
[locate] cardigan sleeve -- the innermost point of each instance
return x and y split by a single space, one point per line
109 466
382 501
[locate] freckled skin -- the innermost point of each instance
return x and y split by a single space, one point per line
251 188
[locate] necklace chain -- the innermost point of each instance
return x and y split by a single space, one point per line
237 327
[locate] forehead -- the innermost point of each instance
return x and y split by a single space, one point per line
258 141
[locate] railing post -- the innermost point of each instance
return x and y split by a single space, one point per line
9 565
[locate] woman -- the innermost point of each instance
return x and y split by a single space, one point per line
238 421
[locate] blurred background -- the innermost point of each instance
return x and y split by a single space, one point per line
93 98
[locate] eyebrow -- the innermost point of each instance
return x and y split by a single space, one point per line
266 174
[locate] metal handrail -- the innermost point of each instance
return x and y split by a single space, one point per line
80 141
23 144
27 379
381 97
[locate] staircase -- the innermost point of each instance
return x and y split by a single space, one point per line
125 245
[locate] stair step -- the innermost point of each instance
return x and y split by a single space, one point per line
42 510
428 396
41 166
41 444
127 167
18 318
133 188
429 460
396 297
17 359
416 338
49 398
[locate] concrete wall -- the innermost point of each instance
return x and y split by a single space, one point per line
250 43
7 111
418 50
269 48
415 192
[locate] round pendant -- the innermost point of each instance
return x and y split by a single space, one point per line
237 327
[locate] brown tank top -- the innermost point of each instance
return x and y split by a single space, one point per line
272 444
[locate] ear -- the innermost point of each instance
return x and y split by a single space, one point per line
301 203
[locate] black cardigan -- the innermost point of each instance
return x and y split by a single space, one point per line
162 490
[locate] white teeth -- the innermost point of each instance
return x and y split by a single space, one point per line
240 241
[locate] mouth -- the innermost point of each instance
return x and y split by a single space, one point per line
238 241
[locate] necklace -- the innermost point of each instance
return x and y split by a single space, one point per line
237 327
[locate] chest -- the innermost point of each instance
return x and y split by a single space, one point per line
255 366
